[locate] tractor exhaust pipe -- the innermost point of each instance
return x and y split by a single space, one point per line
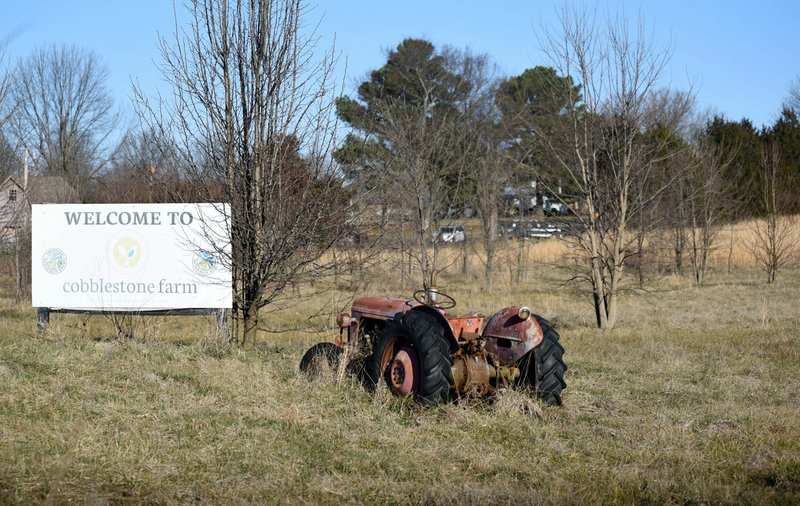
432 291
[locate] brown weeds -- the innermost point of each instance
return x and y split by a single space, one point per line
691 399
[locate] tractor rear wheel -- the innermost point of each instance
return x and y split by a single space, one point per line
412 355
320 359
543 367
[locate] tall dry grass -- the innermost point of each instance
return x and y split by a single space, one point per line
692 398
732 249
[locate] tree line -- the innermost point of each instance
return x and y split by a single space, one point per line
434 130
253 112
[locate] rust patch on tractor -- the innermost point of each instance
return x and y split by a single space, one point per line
511 337
462 327
477 372
382 308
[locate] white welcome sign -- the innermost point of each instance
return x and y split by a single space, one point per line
131 256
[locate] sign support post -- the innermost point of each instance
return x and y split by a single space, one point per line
42 318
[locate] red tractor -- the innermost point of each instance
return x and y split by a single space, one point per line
421 351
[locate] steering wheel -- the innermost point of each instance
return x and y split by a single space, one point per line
443 301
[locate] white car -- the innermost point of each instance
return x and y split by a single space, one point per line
553 207
450 234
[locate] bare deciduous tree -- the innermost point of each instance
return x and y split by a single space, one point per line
9 161
8 156
773 244
423 176
708 203
143 168
252 123
64 113
793 100
600 144
422 135
14 228
487 165
666 130
486 168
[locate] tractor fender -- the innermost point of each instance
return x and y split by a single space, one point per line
441 320
511 337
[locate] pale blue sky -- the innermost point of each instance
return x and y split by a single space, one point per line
740 56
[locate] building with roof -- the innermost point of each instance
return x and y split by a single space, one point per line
17 196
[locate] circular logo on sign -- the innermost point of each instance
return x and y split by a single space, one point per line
127 252
54 261
204 262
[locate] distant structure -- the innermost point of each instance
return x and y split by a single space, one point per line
16 198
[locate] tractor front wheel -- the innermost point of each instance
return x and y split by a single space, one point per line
411 354
543 367
321 359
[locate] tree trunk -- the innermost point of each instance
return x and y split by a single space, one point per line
612 293
464 259
611 316
17 268
522 258
250 325
679 247
489 269
640 256
730 251
598 293
772 246
489 219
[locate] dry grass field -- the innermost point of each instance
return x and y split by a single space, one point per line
693 398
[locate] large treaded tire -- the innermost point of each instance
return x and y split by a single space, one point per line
426 336
543 367
325 355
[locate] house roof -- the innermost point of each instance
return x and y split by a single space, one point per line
47 189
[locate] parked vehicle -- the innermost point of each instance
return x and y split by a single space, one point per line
529 229
515 202
542 230
450 234
553 207
419 350
508 229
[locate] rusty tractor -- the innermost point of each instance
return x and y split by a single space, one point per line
419 350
